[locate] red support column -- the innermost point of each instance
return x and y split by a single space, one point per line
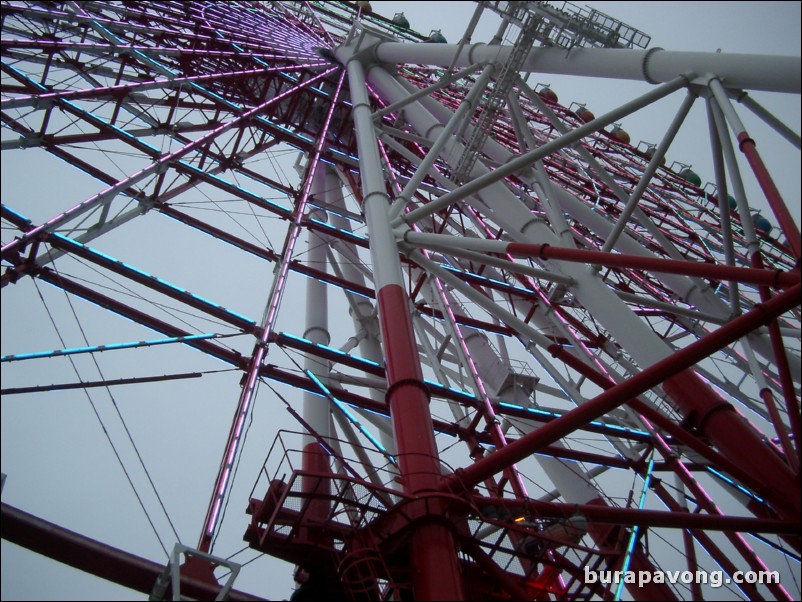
776 202
786 382
765 277
433 552
437 575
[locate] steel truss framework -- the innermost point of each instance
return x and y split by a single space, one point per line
560 356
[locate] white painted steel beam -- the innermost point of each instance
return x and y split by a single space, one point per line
656 65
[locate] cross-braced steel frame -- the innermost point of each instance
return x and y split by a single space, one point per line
530 351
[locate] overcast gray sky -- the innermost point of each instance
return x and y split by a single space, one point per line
745 27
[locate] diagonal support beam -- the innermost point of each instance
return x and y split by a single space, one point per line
96 558
638 384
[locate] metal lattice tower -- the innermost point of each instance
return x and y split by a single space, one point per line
497 99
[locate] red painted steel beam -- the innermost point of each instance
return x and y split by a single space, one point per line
598 513
148 281
773 196
20 222
786 383
266 254
365 403
122 91
226 355
704 539
609 431
466 321
174 159
679 433
328 353
76 139
73 160
507 581
343 283
638 384
99 383
96 558
717 419
777 279
408 400
227 237
328 230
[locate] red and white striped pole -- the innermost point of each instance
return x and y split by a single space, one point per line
315 460
436 571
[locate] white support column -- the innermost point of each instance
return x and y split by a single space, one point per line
362 310
686 389
316 411
507 210
686 288
433 554
747 71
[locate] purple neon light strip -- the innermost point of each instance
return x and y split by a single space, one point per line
687 477
144 86
126 24
161 16
241 25
246 398
64 45
152 168
332 42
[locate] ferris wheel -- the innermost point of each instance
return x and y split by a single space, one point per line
308 285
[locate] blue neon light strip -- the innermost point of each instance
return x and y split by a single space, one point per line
341 406
732 483
633 537
499 283
332 350
345 232
332 211
17 213
553 415
173 287
25 77
193 169
340 285
148 60
354 358
109 347
435 385
347 156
